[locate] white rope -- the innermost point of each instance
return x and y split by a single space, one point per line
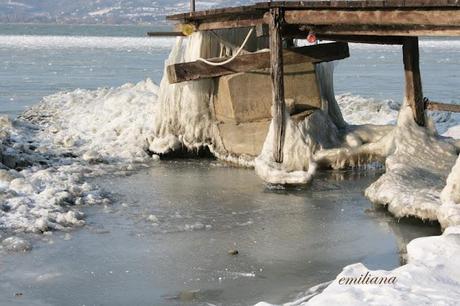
233 57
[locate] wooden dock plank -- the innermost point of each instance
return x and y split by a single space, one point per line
165 34
360 4
263 7
218 13
386 31
247 62
426 17
409 16
226 24
365 39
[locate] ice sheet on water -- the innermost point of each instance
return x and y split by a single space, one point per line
69 131
69 134
111 125
72 42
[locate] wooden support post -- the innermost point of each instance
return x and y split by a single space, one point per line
277 76
414 93
192 5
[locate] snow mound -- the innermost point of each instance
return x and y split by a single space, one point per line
361 110
110 124
48 153
416 173
46 193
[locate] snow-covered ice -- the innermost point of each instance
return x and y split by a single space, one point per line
62 140
49 151
108 124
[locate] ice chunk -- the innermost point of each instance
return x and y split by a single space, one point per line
16 244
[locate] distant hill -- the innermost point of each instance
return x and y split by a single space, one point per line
99 11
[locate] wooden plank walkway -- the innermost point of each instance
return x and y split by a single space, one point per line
388 17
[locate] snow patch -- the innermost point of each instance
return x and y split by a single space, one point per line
416 172
110 124
64 139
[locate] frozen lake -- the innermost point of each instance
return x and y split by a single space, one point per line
166 238
39 60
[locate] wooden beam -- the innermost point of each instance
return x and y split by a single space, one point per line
218 13
384 34
422 13
277 76
414 93
263 7
224 24
372 30
164 34
254 61
365 39
390 30
381 17
442 107
301 32
358 4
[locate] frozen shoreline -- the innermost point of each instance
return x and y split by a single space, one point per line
165 236
79 133
85 133
67 137
431 277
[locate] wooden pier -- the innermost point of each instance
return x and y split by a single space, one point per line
398 22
